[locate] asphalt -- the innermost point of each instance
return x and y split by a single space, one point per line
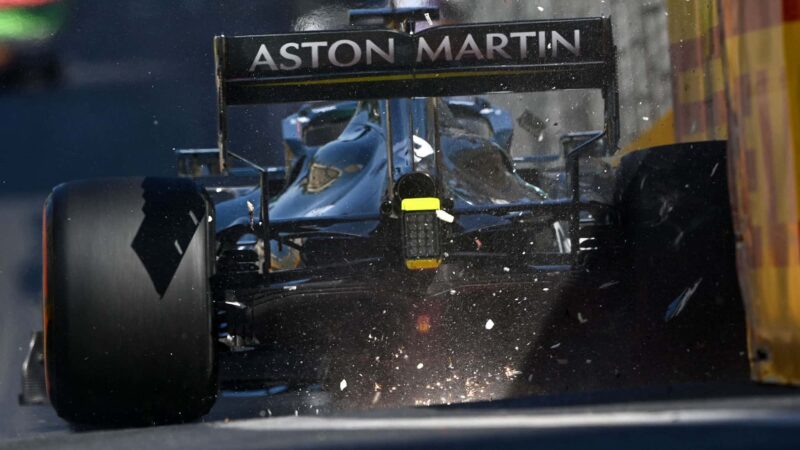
20 274
755 422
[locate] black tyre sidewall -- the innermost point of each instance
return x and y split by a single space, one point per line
117 350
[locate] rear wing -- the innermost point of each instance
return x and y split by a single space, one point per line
440 61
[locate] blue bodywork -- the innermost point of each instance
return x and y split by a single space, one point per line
346 178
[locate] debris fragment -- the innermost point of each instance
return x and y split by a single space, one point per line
714 170
250 211
555 346
541 9
428 19
489 324
678 239
420 366
582 319
506 269
679 303
608 285
444 216
343 384
290 288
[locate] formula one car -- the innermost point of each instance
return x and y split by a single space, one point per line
155 292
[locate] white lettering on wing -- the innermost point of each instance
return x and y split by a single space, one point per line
314 46
444 47
469 47
574 48
263 58
523 41
492 46
334 59
388 55
297 62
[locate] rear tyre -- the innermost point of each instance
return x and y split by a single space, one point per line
127 306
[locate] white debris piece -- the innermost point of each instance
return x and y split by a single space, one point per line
608 285
428 19
420 366
541 9
645 118
444 216
679 303
343 384
506 269
290 288
251 207
582 319
210 219
489 324
555 346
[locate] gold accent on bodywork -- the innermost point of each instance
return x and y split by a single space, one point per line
421 204
423 264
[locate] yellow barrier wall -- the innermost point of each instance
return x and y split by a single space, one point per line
762 60
736 76
698 82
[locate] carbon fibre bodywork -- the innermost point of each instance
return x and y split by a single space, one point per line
328 248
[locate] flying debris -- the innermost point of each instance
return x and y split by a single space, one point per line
679 303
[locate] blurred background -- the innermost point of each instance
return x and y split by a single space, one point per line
94 88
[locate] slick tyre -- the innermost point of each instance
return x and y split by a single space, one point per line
127 307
